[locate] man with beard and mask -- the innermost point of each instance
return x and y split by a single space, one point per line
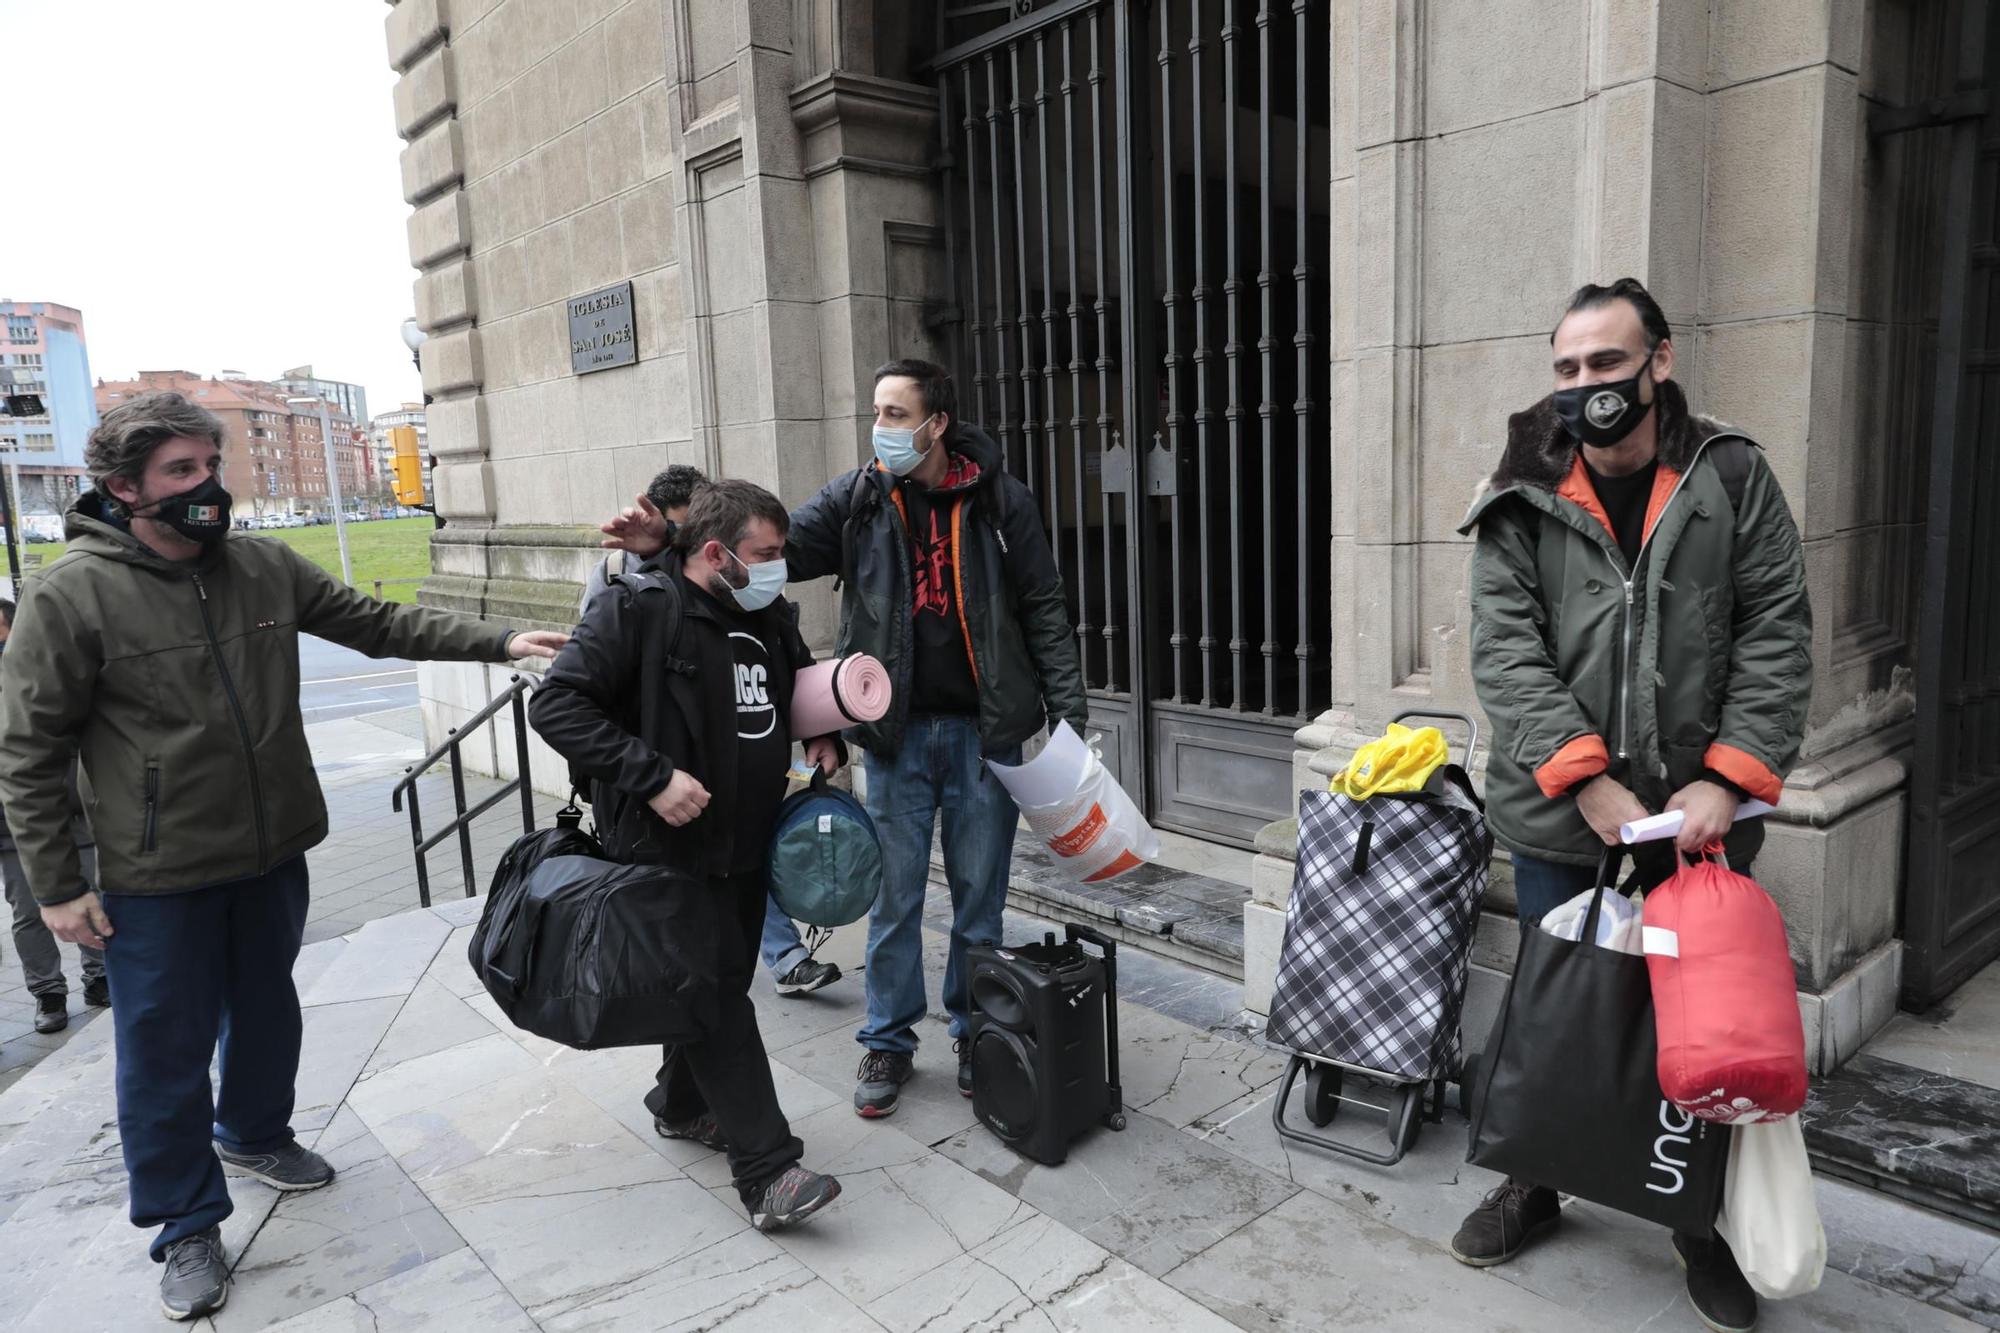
947 578
675 699
162 649
1642 642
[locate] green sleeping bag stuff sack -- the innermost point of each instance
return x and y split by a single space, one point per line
825 867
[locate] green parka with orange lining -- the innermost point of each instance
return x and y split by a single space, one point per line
1696 659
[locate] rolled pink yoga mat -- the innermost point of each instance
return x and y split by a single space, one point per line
832 696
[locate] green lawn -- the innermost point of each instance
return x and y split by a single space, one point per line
388 548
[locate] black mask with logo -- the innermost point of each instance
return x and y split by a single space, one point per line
200 515
1604 414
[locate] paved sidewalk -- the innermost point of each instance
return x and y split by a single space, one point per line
493 1181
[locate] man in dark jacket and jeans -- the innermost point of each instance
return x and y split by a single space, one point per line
691 772
947 578
1641 642
163 649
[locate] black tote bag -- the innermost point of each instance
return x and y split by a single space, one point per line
1567 1092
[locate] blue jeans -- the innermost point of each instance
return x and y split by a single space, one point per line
1542 886
781 945
938 770
187 969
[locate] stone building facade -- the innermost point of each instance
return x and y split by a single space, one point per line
797 189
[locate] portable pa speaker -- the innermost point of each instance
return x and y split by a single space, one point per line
1045 1041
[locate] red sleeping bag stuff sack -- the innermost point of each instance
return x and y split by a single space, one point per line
1732 1045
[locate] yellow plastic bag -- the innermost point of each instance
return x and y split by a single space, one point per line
1401 760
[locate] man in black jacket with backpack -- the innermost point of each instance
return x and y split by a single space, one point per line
674 697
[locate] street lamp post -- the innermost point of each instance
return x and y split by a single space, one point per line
333 488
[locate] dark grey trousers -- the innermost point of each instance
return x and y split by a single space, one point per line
41 960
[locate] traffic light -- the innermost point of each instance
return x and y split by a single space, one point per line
409 466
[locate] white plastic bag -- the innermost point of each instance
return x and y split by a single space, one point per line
1617 924
1070 801
1769 1215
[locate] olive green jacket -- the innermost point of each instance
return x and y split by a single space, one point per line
178 684
1696 660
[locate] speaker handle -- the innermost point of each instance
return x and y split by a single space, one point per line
1114 1111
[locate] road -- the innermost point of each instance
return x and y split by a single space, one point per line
337 682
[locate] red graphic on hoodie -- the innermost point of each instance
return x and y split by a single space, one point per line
931 559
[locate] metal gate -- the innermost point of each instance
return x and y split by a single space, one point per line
1952 908
1136 206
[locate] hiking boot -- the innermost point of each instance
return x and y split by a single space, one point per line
1503 1222
1716 1287
51 1013
792 1198
196 1277
702 1129
963 1049
881 1076
290 1168
810 975
97 992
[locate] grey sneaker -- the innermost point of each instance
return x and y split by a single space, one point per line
290 1168
881 1077
196 1277
702 1129
810 975
792 1198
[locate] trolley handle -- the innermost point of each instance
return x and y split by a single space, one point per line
1465 719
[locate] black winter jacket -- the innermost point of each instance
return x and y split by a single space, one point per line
1023 644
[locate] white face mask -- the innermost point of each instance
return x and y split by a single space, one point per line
896 448
767 580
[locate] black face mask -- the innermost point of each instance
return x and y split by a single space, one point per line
200 515
1604 414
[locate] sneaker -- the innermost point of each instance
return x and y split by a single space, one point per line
792 1198
702 1129
963 1049
290 1168
1716 1287
97 993
882 1073
810 975
1503 1222
196 1280
51 1013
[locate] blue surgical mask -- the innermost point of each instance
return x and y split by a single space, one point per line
767 580
896 448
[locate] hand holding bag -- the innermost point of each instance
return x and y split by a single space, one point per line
1769 1215
1567 1094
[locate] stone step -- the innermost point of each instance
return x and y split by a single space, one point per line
1175 914
1926 1137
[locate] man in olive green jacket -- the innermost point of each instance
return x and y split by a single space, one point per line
163 649
1641 642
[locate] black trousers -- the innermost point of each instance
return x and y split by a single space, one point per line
727 1072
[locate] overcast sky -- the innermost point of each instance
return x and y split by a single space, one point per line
213 183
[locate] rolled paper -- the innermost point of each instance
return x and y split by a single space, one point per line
832 696
1655 827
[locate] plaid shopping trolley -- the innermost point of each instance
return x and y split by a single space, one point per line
1385 899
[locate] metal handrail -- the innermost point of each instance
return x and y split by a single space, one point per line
514 695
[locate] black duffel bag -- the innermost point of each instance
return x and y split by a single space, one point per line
590 953
1567 1092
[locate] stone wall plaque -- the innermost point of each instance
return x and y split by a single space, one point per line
601 330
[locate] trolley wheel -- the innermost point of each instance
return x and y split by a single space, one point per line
1322 1095
1117 1121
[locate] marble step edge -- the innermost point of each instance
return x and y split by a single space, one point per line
54 1073
1866 1123
1038 890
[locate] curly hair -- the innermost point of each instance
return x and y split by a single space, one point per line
129 432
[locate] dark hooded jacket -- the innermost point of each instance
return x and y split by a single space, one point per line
178 685
1694 660
1018 632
